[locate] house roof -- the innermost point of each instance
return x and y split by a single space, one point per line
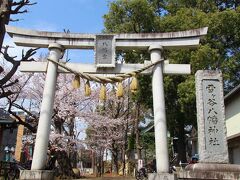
5 117
148 128
232 94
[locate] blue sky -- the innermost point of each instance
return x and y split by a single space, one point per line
82 16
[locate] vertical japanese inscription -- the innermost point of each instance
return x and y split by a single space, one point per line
213 116
105 51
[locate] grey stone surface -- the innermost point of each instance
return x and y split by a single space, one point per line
105 51
210 175
37 174
162 176
210 171
119 69
31 38
212 131
213 167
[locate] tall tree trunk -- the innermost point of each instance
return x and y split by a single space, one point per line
123 159
115 158
115 162
137 133
125 148
98 165
93 162
5 7
102 162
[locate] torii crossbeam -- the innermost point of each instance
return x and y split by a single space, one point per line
58 42
31 38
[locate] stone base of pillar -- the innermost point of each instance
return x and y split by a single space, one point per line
37 174
162 176
210 171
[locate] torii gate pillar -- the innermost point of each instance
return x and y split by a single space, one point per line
160 124
41 145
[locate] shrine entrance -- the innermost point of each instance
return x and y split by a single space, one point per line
105 46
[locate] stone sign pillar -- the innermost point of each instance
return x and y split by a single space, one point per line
212 133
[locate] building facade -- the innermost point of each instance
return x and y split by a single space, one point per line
232 110
14 141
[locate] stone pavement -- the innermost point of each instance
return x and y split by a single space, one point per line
109 177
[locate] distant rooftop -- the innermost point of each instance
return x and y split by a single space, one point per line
232 94
5 117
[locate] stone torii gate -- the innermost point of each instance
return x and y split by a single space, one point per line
58 42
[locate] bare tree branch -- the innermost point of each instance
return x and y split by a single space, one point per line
22 1
14 20
19 5
6 94
10 84
16 63
20 120
8 8
6 56
20 12
29 53
26 111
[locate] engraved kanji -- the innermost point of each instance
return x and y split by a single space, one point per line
212 111
212 129
210 88
213 142
212 119
212 102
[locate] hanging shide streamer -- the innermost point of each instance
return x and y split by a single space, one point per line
87 89
76 82
119 92
99 79
103 92
134 84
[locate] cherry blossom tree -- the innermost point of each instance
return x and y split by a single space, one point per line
11 81
69 103
108 122
108 127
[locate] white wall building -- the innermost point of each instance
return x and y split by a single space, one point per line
232 109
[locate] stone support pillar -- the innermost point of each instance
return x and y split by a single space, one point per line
160 124
42 139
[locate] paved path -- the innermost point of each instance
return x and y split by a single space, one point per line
110 178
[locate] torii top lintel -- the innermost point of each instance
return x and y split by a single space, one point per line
32 38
